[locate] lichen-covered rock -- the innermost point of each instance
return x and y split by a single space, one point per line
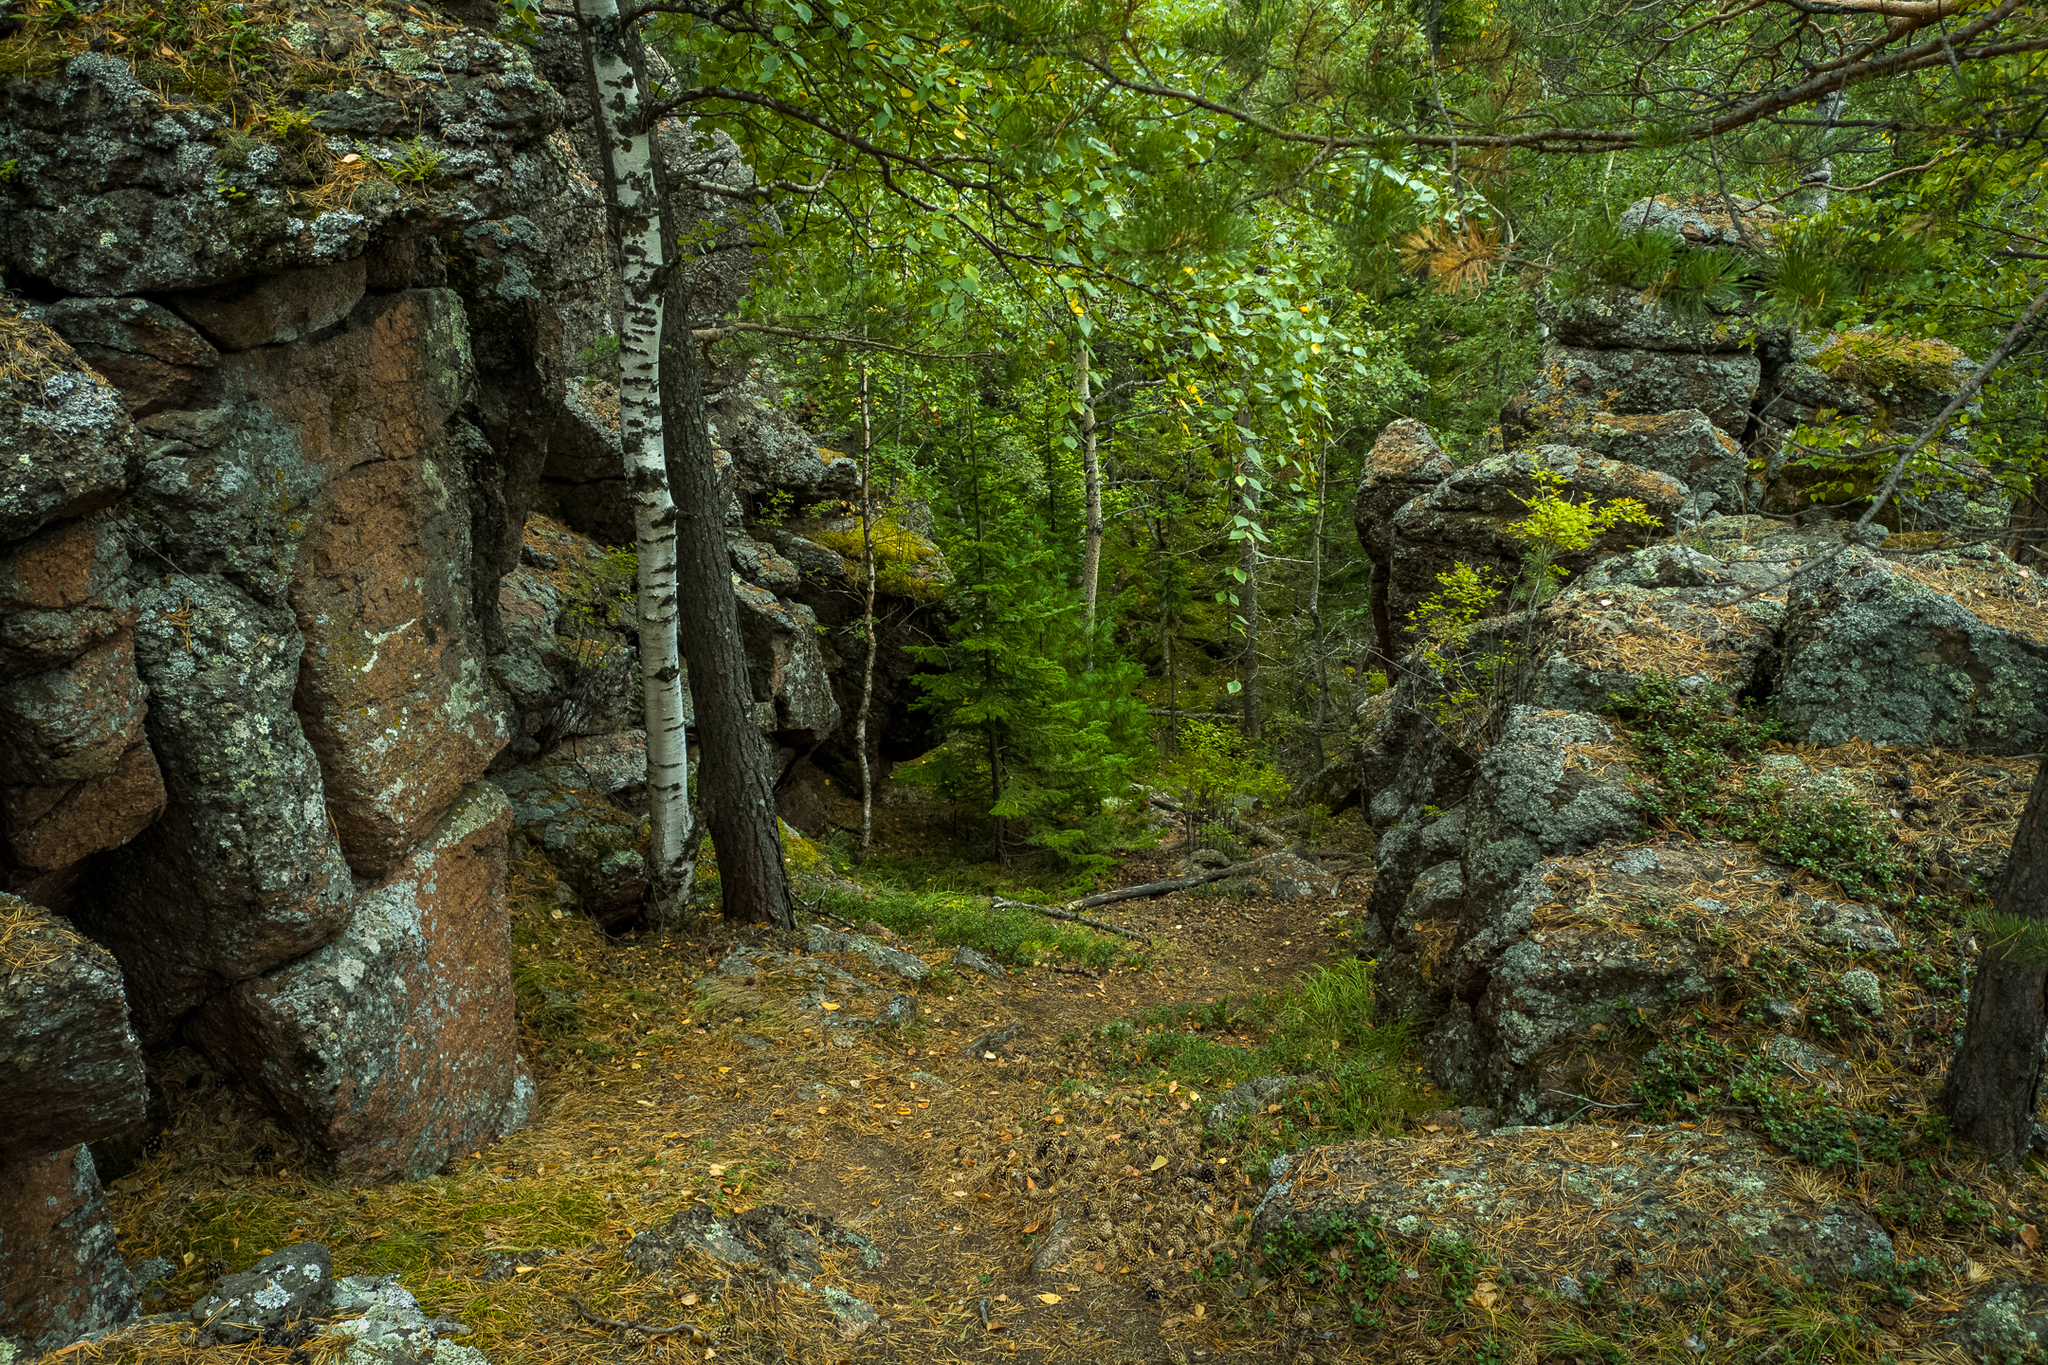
1575 379
154 357
771 454
394 1047
117 192
1628 320
1670 1201
1466 518
67 446
599 849
2008 1321
570 662
1940 650
61 1272
1551 784
70 1068
385 1325
1709 220
908 966
786 666
268 1299
1404 463
242 872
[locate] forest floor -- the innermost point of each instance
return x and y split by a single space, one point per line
718 1168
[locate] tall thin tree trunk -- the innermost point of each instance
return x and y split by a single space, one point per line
1993 1088
636 204
1091 491
1248 604
739 798
867 555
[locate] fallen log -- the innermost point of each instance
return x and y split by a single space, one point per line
1000 903
1166 888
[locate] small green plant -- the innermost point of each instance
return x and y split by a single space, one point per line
1447 621
600 361
1556 526
283 121
414 164
10 170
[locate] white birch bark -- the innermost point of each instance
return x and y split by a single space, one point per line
630 156
867 554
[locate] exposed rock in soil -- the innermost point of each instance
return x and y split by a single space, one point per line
1666 1203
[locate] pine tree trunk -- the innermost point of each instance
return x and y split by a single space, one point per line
629 157
867 554
1091 492
738 797
1993 1090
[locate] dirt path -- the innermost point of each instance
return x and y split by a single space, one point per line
663 1107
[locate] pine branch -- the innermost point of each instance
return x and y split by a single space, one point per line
2016 938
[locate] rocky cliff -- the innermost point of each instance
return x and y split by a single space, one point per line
1553 892
281 636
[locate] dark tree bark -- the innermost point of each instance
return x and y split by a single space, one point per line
1994 1084
733 785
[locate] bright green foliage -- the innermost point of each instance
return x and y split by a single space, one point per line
1558 526
1036 737
1447 621
1214 772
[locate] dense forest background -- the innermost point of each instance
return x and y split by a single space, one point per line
1114 298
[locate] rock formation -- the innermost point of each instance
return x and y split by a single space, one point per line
1512 868
275 412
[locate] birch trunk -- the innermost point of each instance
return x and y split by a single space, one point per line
629 158
1248 603
1091 492
867 555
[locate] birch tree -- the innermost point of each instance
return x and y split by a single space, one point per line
627 139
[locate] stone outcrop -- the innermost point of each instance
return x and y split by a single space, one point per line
61 1272
393 1046
271 602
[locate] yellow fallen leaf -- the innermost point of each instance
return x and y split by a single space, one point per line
717 1171
689 1299
1048 1298
830 1006
902 1108
522 1270
1198 1311
1158 1162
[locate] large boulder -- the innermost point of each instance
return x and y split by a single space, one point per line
70 1068
1628 320
61 1272
393 1047
570 665
1946 650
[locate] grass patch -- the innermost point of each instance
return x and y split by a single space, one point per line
1014 936
1322 1028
